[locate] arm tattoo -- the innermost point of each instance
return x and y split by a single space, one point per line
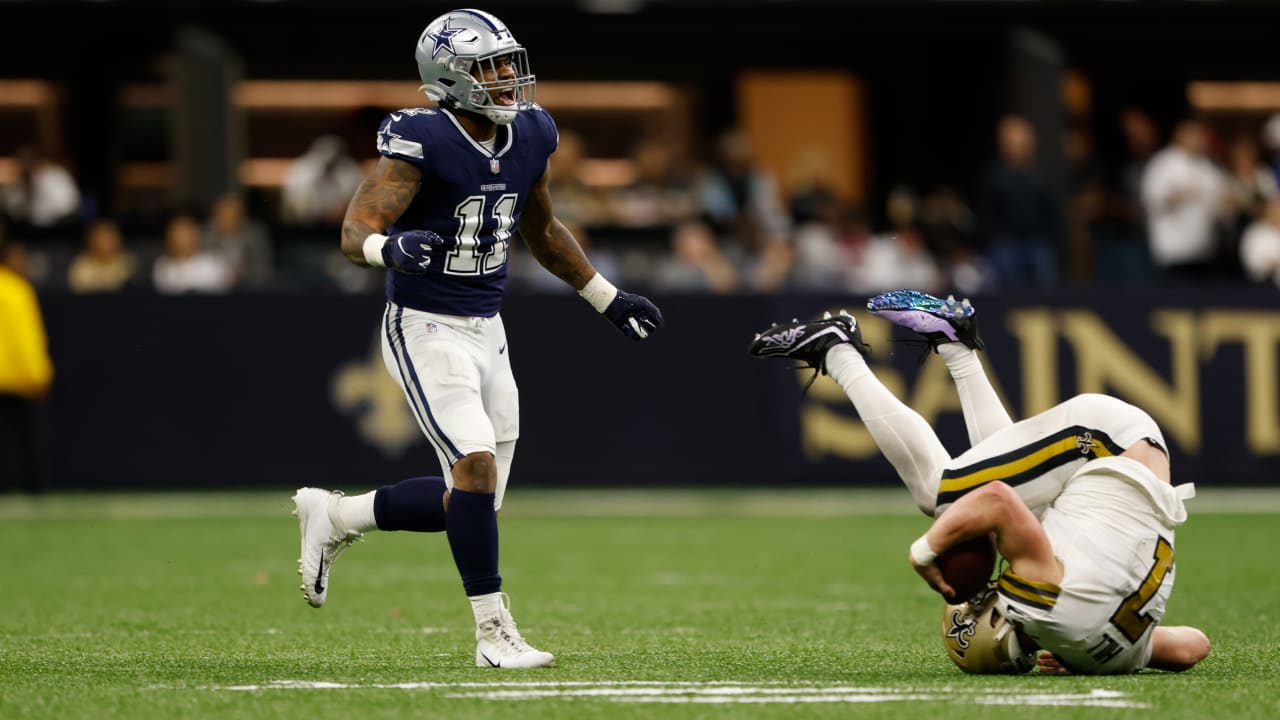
379 201
550 241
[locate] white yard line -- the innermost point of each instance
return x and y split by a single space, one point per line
716 692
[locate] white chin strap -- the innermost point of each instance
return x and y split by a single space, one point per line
501 116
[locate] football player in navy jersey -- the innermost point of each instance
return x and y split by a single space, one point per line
452 185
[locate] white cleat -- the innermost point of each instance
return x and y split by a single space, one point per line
322 541
500 645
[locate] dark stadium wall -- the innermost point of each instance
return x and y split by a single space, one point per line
934 71
281 390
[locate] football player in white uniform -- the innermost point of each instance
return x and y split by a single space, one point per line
1078 499
453 183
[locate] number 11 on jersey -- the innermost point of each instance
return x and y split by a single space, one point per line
468 257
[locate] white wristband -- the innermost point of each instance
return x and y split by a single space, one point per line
922 553
599 292
373 249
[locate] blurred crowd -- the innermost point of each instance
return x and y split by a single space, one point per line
1190 205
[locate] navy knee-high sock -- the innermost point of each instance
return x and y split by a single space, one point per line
416 504
472 526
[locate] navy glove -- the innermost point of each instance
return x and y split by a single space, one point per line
410 251
634 315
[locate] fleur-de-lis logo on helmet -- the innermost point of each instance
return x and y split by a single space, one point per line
963 627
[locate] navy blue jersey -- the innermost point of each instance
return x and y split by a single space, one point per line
468 195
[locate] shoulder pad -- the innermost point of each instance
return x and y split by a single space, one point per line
546 125
403 133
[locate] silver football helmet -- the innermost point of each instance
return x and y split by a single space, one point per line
980 640
456 52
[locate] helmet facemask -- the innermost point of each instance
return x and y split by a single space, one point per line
521 86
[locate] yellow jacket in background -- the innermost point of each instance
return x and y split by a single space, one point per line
25 368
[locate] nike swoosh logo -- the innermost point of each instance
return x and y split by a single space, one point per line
395 117
491 663
502 349
320 577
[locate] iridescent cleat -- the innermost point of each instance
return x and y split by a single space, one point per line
937 321
809 341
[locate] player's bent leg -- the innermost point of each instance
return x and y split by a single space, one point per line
834 345
322 541
413 505
904 437
984 414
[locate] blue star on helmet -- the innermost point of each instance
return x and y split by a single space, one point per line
444 39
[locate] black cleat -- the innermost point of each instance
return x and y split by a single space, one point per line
809 341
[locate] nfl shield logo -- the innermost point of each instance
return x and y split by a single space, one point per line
493 166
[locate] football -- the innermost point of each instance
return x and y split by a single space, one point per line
967 567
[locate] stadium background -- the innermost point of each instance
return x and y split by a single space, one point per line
145 102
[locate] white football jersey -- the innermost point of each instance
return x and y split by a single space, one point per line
1113 530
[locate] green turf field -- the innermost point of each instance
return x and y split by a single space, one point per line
703 604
